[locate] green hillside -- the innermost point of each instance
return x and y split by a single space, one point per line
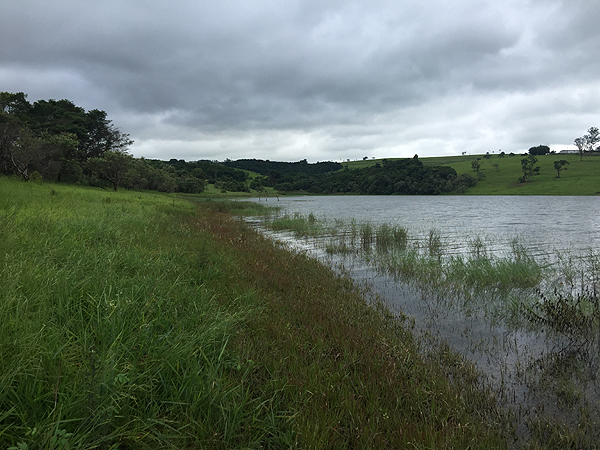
579 178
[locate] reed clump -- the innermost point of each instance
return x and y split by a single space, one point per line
574 315
389 238
366 236
301 226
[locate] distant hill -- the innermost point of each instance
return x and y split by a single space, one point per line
500 174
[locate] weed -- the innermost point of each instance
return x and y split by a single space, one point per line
434 243
366 236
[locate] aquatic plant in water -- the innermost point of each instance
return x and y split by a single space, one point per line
554 297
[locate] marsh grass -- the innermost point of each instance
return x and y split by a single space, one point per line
428 262
354 371
301 226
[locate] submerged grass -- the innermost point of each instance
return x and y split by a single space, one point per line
426 263
139 320
556 299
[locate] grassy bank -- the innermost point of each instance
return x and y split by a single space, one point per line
579 178
138 320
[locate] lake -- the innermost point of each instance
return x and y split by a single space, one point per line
545 223
520 362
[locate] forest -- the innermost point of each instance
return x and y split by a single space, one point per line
58 141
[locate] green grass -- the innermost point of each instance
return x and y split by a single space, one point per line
268 194
141 320
580 178
116 327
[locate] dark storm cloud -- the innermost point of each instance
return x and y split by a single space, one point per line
315 79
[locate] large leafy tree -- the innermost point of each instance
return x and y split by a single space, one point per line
19 148
56 117
54 137
101 136
539 150
112 167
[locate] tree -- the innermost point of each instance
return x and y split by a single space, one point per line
10 132
101 136
24 154
539 150
592 139
15 104
59 149
56 117
529 168
112 167
581 143
560 165
476 165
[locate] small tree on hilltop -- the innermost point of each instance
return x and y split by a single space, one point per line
592 139
529 168
581 143
560 165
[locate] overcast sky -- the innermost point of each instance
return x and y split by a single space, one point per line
318 79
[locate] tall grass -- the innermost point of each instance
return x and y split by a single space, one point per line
114 332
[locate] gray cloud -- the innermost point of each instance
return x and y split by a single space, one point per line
313 79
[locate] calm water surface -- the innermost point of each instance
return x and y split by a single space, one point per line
543 222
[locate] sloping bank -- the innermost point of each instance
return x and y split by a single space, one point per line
345 372
134 320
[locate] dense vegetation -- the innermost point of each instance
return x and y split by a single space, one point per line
268 167
139 320
55 140
403 176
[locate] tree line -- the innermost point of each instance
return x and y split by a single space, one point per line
56 140
402 176
266 167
